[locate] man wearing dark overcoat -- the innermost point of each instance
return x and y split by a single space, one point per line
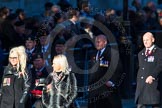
150 65
103 91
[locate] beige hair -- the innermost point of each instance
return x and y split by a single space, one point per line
22 58
62 60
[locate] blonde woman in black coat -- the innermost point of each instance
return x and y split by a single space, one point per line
61 87
16 80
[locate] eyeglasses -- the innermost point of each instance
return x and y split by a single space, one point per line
12 57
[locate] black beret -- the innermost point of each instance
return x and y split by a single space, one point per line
30 37
37 56
60 41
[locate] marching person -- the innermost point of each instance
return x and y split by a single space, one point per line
61 85
150 65
16 80
107 95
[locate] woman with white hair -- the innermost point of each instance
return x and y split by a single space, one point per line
61 85
16 80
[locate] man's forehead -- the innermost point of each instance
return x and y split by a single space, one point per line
100 39
148 35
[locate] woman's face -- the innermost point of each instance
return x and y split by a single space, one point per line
13 59
56 66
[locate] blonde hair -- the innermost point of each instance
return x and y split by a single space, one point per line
62 60
22 58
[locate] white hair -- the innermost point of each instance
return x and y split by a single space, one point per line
62 60
22 58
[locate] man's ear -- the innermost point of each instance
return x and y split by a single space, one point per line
105 42
153 40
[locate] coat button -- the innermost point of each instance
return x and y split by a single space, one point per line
141 77
143 68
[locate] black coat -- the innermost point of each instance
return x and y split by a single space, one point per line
107 70
103 66
148 66
63 92
14 89
100 71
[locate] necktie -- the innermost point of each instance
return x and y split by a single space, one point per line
147 52
98 56
29 56
43 49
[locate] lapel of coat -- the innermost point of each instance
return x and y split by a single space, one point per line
60 80
106 52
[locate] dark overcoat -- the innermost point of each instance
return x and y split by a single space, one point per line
14 89
148 66
108 69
